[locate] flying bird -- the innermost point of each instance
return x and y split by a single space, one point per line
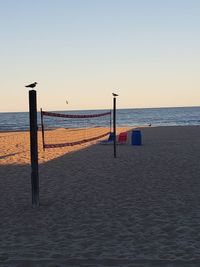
114 94
32 85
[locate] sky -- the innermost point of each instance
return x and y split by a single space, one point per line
147 51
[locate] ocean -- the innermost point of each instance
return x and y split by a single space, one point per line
14 121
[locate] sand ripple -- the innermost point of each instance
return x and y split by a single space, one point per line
140 209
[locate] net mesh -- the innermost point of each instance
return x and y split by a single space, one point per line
74 129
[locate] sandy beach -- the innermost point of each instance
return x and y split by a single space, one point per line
15 146
139 209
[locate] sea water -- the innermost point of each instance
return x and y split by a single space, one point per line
14 121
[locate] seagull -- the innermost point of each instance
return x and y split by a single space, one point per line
114 94
32 85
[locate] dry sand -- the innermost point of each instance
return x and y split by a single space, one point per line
15 146
139 209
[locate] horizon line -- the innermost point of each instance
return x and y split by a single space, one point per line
107 109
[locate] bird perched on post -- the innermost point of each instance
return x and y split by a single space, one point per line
114 94
32 85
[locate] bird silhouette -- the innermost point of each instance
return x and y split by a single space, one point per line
32 85
114 94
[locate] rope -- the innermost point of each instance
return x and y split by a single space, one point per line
76 142
72 116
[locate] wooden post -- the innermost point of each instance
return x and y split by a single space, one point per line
34 147
114 126
42 125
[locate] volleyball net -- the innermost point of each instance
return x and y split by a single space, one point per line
64 130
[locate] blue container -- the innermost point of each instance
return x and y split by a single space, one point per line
136 138
111 137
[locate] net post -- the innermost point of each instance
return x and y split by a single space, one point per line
42 125
114 126
34 147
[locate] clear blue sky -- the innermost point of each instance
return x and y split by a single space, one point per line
148 51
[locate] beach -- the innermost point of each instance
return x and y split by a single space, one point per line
15 146
139 209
